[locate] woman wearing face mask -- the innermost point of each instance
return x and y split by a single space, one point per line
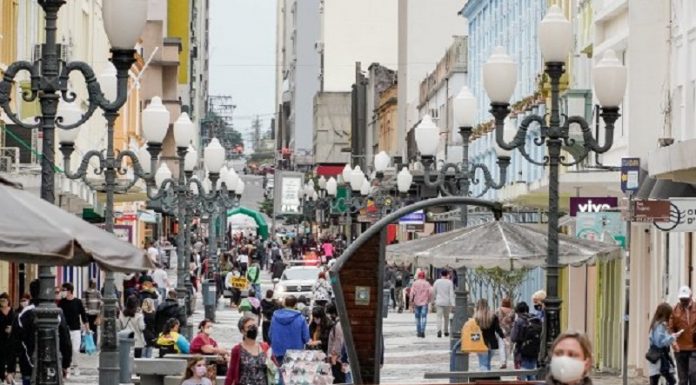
196 372
571 360
319 330
249 360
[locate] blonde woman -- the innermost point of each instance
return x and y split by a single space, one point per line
490 326
150 332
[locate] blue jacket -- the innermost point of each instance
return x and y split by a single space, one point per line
289 331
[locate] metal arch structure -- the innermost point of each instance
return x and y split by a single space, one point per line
367 370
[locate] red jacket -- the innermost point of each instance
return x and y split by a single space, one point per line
233 373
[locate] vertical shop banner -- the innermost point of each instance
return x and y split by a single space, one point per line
602 227
288 186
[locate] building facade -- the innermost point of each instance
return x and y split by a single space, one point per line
436 92
332 122
425 33
299 76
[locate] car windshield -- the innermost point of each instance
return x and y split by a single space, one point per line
300 274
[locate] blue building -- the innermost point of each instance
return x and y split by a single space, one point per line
513 25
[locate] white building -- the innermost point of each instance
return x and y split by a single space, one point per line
299 79
436 92
355 31
425 32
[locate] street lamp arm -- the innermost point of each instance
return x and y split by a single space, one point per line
155 193
531 160
81 172
489 182
27 95
138 171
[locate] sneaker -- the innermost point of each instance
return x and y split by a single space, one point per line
446 334
439 334
76 371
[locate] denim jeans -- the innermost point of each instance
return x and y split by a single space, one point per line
421 318
485 360
528 363
257 290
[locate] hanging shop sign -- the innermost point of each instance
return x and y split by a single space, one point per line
591 204
630 169
645 210
682 216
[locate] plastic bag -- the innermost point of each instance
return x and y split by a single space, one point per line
88 343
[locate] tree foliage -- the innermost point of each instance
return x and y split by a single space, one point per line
217 126
500 283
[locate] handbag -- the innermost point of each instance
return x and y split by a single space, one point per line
271 365
472 338
654 354
88 342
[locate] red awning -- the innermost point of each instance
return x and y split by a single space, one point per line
328 170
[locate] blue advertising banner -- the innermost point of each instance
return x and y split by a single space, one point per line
415 218
630 169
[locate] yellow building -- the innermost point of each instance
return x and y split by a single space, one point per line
387 118
8 54
178 22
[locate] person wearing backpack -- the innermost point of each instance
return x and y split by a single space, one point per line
490 327
526 335
170 341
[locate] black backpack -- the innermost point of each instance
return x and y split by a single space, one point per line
531 338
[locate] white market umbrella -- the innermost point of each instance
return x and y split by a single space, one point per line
498 244
34 231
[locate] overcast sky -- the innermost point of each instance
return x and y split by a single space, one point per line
242 57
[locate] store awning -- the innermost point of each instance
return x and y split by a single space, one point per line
328 170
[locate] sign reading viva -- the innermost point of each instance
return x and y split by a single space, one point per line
591 204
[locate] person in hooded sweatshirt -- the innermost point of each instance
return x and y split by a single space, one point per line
169 308
289 331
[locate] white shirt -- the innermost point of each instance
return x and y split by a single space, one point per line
159 276
444 292
153 253
243 258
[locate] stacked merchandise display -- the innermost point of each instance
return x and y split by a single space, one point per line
306 367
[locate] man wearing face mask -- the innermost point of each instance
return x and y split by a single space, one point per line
76 317
684 319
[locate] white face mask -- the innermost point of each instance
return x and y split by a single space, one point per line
566 369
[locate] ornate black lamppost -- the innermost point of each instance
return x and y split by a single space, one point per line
124 22
457 179
499 79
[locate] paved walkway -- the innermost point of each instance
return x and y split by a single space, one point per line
407 357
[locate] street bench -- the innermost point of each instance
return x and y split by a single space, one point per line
176 380
152 371
209 358
486 378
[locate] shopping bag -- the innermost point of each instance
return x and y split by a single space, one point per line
472 338
88 343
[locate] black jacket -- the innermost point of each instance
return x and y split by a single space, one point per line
268 307
150 332
489 334
6 322
23 339
166 310
323 334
